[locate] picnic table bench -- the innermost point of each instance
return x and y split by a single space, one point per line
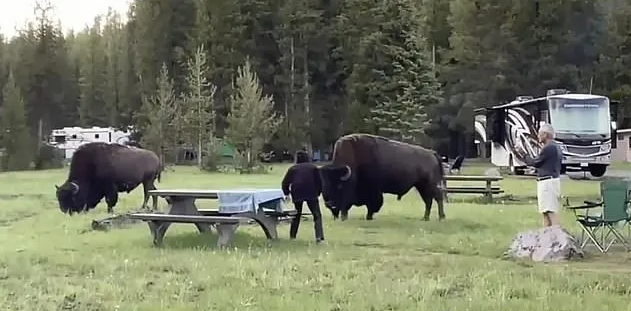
263 207
488 190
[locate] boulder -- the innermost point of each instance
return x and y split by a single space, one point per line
545 245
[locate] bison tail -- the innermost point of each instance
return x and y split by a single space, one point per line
160 170
441 170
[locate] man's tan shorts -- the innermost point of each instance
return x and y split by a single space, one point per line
549 195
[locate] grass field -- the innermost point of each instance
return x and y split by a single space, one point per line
50 261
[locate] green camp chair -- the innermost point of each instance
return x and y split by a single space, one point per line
597 229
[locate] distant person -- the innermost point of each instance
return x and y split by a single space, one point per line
548 165
302 181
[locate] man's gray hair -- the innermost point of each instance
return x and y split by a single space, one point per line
547 129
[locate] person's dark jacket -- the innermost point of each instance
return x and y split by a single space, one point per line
302 180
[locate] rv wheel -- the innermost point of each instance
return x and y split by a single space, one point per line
597 170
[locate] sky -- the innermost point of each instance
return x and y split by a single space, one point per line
74 14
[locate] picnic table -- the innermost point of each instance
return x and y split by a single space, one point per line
262 206
488 190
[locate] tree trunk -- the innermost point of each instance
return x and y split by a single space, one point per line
307 101
292 79
200 135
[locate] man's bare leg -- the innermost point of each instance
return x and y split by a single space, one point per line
554 219
546 220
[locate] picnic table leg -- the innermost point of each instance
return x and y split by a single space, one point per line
158 230
489 192
184 206
154 199
269 224
226 233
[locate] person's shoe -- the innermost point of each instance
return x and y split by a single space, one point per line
292 237
320 241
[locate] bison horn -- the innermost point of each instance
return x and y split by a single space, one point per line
75 187
347 175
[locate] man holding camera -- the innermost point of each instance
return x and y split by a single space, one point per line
548 165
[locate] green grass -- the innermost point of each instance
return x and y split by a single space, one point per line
50 261
623 166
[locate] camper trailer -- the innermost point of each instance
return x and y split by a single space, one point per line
585 127
70 138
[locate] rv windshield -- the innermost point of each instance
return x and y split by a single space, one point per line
580 116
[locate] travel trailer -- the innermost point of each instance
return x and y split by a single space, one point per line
70 138
585 127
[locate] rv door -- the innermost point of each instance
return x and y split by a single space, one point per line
613 110
496 125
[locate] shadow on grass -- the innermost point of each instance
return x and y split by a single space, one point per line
208 240
21 196
433 225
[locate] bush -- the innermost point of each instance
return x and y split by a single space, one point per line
49 157
243 166
212 155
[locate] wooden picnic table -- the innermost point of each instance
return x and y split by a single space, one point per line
265 210
488 190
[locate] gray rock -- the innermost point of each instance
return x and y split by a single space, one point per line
545 245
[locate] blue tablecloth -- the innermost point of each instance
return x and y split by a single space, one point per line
250 200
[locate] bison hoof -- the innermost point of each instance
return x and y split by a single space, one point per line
426 218
441 218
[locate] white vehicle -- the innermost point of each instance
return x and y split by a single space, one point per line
70 138
584 124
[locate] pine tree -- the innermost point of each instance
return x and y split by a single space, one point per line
198 111
393 82
159 117
252 121
415 89
14 132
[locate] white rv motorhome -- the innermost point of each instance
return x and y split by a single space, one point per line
70 138
585 127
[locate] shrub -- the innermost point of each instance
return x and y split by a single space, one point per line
49 157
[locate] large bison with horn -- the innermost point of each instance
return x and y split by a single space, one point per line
100 170
364 167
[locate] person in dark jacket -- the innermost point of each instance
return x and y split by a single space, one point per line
302 181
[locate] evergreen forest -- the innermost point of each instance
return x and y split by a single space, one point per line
300 73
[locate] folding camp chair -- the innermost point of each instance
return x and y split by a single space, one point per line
598 228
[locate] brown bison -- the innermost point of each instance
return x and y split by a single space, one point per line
100 170
364 167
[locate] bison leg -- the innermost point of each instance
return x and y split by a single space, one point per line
374 207
111 198
439 197
427 199
428 195
146 187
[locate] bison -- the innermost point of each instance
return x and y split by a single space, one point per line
100 170
364 167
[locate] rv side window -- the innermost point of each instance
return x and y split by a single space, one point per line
60 139
96 136
543 116
629 142
74 136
